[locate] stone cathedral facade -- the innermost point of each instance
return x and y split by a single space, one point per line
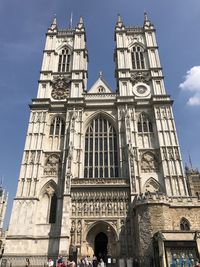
101 171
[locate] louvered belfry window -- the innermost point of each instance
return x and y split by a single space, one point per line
64 60
138 58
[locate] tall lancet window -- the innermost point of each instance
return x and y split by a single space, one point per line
57 127
138 59
144 124
53 209
64 60
101 158
56 133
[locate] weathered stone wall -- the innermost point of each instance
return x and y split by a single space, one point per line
153 214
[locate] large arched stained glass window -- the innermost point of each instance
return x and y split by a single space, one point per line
101 158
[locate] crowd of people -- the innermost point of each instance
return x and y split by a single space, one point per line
85 262
69 262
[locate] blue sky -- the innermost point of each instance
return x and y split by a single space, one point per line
23 24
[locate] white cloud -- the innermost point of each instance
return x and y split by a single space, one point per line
194 100
192 84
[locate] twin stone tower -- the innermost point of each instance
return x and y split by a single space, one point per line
101 171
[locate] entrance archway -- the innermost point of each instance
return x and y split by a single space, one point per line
100 246
101 240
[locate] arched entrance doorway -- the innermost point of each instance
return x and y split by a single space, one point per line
101 240
100 246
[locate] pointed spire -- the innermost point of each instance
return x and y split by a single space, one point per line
101 74
190 161
119 19
119 22
145 16
71 21
53 24
147 22
80 23
81 20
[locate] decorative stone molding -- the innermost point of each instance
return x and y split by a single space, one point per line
52 165
140 77
149 163
93 181
61 81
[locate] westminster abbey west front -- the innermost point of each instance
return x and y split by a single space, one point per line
101 171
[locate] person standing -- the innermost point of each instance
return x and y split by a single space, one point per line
94 261
101 263
50 262
27 262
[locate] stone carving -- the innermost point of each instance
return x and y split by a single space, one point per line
79 229
142 77
152 186
26 157
170 154
52 165
70 157
74 115
60 82
32 158
49 190
73 232
149 163
95 203
98 180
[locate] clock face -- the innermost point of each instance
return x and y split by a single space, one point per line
141 89
59 93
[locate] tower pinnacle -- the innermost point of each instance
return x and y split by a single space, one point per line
53 26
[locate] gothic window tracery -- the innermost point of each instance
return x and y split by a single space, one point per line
64 60
48 204
57 127
144 124
101 158
184 225
137 56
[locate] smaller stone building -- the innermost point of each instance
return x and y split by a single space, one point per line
193 180
167 229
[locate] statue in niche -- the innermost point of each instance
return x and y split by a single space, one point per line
52 165
73 232
70 156
68 182
149 163
79 229
73 209
73 118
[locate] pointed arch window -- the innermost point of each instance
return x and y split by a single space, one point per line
64 60
53 209
101 157
137 56
144 124
57 127
184 225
